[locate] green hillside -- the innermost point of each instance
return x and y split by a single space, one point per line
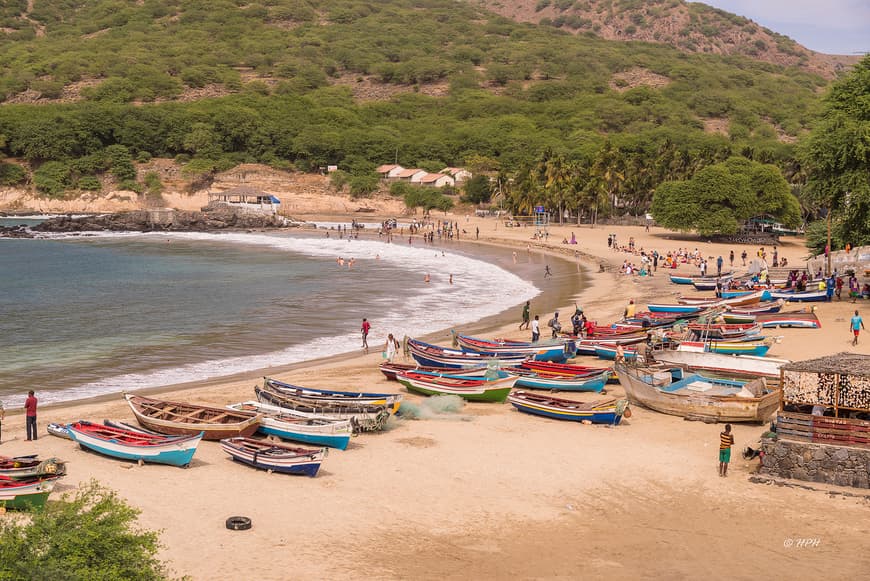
356 83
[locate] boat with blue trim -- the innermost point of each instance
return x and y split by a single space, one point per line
287 425
603 412
135 445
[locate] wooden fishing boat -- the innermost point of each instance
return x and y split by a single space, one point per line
546 368
724 277
588 346
557 350
436 356
391 400
701 360
731 318
801 297
135 445
677 309
791 319
601 412
609 352
532 380
757 348
30 467
363 418
758 308
186 419
471 389
58 430
724 330
391 369
697 397
275 457
739 301
26 494
286 425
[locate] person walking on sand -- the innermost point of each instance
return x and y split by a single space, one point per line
391 348
726 440
366 327
743 256
555 325
526 309
30 415
547 271
731 259
855 325
2 415
536 329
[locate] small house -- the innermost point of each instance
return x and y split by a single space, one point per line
437 180
388 172
459 174
411 175
245 199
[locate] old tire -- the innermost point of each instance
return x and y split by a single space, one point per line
238 523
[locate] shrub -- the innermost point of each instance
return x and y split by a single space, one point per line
12 174
90 535
90 183
52 178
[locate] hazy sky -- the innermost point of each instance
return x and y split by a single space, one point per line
829 26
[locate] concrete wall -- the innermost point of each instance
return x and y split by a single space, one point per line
840 465
857 259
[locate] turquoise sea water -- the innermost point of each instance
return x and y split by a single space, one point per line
82 316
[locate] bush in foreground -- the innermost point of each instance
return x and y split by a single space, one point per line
88 536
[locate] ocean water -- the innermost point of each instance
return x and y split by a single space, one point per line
84 316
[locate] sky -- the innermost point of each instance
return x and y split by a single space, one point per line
828 26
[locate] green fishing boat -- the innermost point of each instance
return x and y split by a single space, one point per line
471 389
15 495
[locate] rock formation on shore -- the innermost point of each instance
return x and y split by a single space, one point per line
153 221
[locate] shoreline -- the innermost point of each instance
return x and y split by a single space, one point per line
490 492
551 300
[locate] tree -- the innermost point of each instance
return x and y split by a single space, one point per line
477 190
836 156
89 536
720 197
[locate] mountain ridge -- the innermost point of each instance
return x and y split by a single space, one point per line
692 27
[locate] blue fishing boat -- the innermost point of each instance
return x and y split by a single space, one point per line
532 380
287 425
681 309
275 457
609 352
606 412
681 279
733 294
430 355
801 297
556 350
756 348
135 445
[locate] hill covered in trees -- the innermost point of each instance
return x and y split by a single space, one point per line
91 88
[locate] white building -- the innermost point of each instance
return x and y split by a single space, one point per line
389 172
437 180
459 174
245 199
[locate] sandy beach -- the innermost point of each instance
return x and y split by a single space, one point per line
492 493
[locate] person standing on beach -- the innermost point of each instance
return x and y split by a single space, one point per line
731 259
366 327
855 325
726 440
547 271
526 308
2 415
719 262
555 325
536 330
30 414
743 256
391 348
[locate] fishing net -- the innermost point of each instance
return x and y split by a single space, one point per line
437 407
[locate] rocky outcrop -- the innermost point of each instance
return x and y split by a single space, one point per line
154 221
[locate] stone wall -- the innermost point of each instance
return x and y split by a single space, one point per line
840 465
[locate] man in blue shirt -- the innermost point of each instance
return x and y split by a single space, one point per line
855 325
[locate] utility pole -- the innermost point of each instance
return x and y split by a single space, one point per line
830 250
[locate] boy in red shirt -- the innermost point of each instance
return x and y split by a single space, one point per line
30 413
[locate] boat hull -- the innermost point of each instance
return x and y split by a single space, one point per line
331 433
24 496
721 409
489 391
610 414
595 383
209 430
176 452
759 366
304 462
